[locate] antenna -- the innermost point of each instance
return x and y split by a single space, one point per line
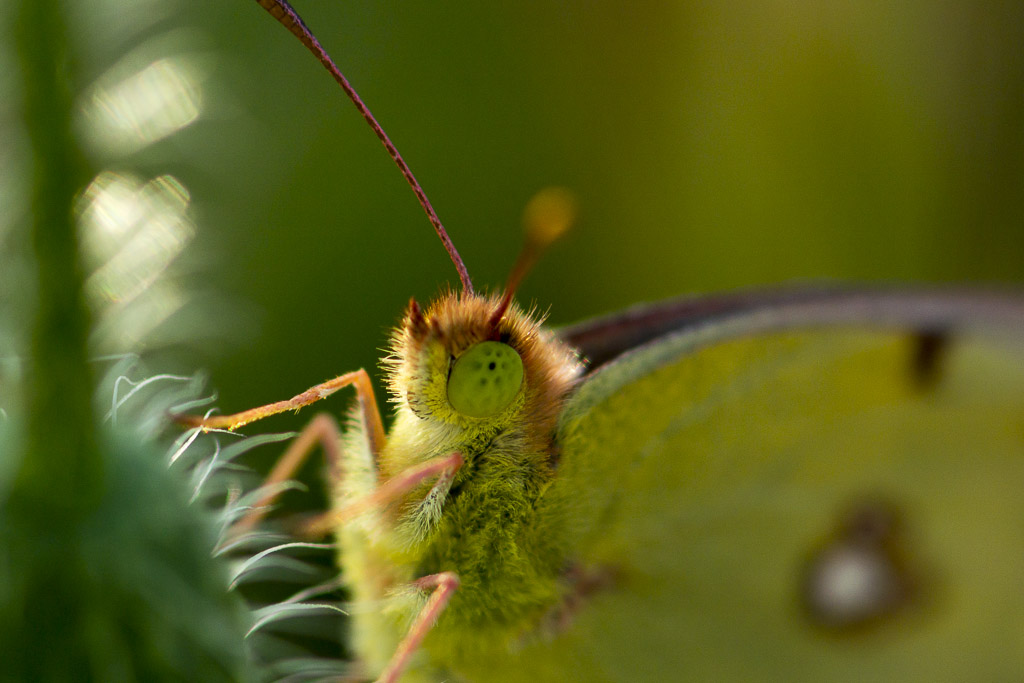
291 20
547 216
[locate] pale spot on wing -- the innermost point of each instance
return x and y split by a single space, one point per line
859 576
850 584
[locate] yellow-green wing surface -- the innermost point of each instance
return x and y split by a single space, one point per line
803 486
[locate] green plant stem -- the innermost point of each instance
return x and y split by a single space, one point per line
62 467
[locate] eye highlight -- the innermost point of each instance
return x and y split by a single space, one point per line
485 379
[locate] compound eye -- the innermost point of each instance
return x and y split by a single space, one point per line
485 379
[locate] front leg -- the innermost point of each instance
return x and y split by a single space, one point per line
358 379
322 430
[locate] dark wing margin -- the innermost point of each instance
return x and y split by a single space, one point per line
924 310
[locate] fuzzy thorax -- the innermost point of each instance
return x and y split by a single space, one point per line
482 526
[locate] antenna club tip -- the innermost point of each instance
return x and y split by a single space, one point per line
548 215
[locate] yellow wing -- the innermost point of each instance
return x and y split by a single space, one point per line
785 493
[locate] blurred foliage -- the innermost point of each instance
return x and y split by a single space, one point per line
106 572
713 146
125 591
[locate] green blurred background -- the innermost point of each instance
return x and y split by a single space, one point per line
713 145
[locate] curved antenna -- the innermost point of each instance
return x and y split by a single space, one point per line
291 20
547 216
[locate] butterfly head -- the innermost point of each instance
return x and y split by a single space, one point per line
471 360
452 363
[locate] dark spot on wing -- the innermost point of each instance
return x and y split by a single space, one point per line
930 350
860 575
580 583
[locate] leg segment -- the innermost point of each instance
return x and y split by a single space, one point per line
444 584
442 467
364 392
322 429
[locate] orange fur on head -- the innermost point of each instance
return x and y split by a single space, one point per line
453 323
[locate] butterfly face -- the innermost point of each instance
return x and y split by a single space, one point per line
454 363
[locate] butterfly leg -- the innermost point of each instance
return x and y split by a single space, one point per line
443 467
364 392
323 429
444 585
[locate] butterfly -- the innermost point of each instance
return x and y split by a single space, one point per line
803 483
